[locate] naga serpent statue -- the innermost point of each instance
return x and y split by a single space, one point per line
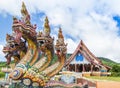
35 68
13 49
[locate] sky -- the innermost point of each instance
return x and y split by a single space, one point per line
96 22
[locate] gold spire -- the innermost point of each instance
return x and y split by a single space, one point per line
60 35
23 4
46 20
25 14
46 26
23 8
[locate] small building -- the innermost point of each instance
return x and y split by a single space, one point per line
82 60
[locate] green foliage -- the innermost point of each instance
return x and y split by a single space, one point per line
54 59
3 64
108 62
2 74
115 68
115 71
115 74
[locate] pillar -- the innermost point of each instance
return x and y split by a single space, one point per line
83 68
91 68
75 67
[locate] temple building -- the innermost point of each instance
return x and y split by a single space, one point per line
82 60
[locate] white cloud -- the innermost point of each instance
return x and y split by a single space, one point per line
89 20
1 54
11 7
71 45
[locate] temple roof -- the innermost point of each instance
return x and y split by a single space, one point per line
82 49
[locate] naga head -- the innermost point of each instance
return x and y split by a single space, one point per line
60 46
12 49
23 28
6 50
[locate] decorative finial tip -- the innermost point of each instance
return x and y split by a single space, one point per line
60 29
46 19
23 4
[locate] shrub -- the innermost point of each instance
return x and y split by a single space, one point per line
2 74
115 68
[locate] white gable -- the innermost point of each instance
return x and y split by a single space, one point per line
81 60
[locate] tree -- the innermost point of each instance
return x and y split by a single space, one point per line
115 70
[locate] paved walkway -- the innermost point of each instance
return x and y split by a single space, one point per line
107 84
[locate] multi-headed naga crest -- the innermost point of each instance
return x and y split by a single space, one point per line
34 52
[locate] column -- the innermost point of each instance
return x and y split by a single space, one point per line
83 68
75 67
91 67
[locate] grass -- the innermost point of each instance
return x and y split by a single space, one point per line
105 78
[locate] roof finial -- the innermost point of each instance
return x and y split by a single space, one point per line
46 27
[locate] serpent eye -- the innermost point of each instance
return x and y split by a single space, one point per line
12 46
16 44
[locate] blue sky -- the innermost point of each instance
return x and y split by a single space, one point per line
5 26
96 22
